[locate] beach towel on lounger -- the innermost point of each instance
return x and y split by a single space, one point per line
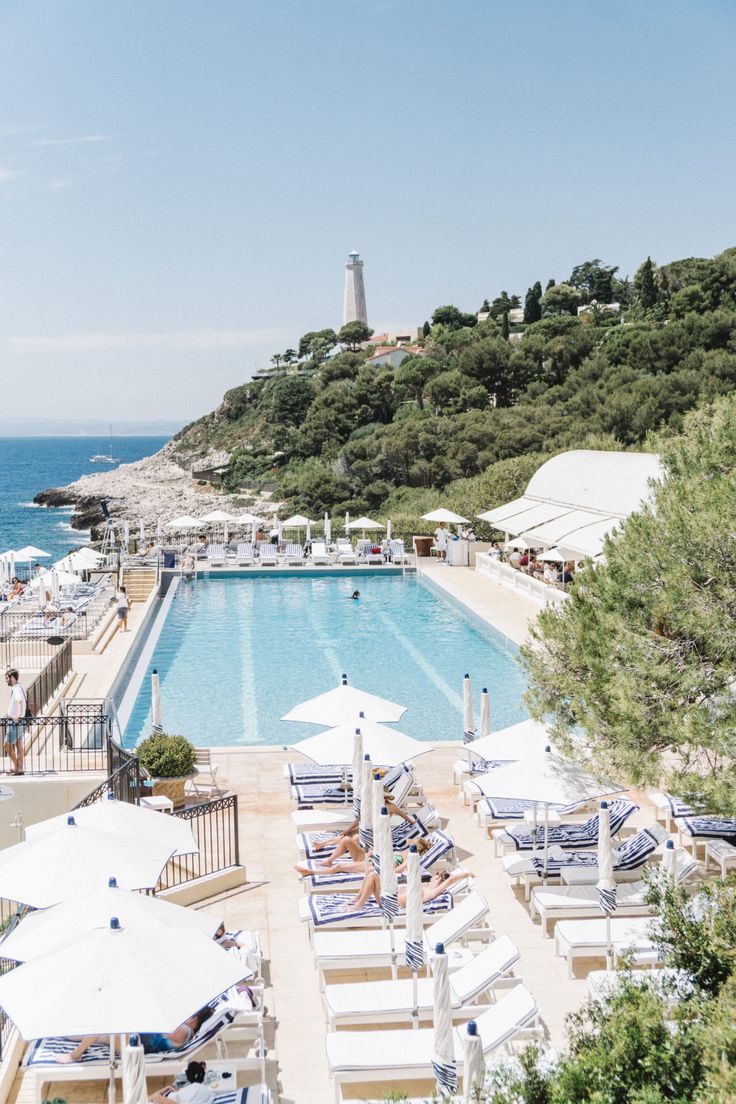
328 908
401 836
312 774
335 793
709 827
632 854
441 845
570 836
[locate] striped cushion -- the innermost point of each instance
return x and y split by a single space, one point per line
441 845
570 836
328 908
632 853
311 773
401 835
712 827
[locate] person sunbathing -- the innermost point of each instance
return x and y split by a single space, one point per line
356 863
348 833
17 588
152 1043
439 883
194 1092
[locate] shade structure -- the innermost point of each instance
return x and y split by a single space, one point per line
159 530
118 980
134 1073
473 1064
47 869
445 515
669 862
47 930
385 745
519 741
389 529
297 521
156 722
385 854
365 831
357 771
606 884
82 560
414 933
548 778
443 1058
186 521
141 531
328 529
215 516
552 555
484 725
126 533
468 719
30 553
347 521
344 704
363 523
517 543
63 578
249 519
125 822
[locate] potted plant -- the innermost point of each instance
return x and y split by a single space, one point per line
169 760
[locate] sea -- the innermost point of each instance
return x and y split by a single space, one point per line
32 464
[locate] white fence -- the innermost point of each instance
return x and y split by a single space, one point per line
513 579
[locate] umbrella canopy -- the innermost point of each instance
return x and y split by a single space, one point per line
547 778
518 543
669 862
47 930
156 722
519 741
445 515
363 523
30 553
125 822
63 578
134 1073
552 555
249 519
218 515
345 704
186 521
484 726
386 746
473 1064
81 560
47 869
298 521
443 1060
468 719
414 935
385 852
118 980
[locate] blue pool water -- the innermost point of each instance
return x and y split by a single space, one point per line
237 653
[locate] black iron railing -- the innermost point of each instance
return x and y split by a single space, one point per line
44 686
74 740
215 828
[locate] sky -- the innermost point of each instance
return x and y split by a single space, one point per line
181 182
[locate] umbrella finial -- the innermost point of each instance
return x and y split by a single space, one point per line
344 679
384 811
112 883
604 804
472 1027
670 846
361 714
483 691
115 924
110 795
154 671
71 821
439 948
135 1041
367 757
548 749
466 675
357 732
413 849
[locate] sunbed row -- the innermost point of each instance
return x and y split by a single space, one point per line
266 554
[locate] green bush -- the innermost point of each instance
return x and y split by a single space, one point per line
165 756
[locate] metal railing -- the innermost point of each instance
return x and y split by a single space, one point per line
215 828
44 686
19 625
73 740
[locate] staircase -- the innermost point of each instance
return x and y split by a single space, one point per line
139 581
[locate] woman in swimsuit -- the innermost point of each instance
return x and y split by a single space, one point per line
356 863
152 1043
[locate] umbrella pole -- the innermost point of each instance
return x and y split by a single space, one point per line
111 1087
415 999
609 945
391 935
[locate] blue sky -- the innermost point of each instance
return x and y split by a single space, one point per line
181 182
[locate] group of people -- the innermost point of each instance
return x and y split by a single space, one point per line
442 537
526 560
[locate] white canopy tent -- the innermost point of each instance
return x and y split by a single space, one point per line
30 553
445 515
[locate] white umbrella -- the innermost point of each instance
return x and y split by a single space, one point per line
516 742
62 578
184 522
414 935
141 531
344 704
357 771
309 531
30 553
363 523
347 521
389 529
366 805
82 560
56 583
126 535
218 515
46 930
46 870
473 1065
377 803
484 726
606 882
156 722
386 746
11 565
328 528
669 862
125 822
519 543
159 530
387 872
249 519
225 534
445 515
443 1060
134 1073
42 592
468 719
552 555
297 521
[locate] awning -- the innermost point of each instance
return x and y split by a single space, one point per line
588 541
538 515
511 509
553 532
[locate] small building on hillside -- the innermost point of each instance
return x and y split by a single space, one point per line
393 355
406 336
211 475
604 308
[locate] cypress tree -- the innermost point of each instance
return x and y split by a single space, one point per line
426 329
550 283
648 288
505 325
532 308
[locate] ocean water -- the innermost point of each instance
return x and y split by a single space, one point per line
32 464
237 653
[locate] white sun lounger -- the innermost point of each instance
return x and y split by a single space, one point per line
328 910
345 553
245 554
393 1001
359 1056
552 903
294 554
587 939
267 554
319 553
371 949
216 555
424 820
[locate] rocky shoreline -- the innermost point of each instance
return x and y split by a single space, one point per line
149 489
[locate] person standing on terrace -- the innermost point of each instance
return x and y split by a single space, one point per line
15 721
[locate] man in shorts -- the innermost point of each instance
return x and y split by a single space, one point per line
14 729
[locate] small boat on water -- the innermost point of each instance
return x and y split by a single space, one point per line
101 458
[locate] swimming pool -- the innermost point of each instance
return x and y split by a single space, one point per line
236 653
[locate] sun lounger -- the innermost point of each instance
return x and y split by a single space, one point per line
216 555
397 552
398 781
245 554
393 1001
345 553
568 836
671 983
319 554
294 554
628 858
368 555
551 903
695 830
328 910
371 949
312 774
396 1056
442 846
267 554
402 833
669 807
492 811
587 938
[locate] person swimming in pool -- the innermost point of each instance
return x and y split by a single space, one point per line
355 595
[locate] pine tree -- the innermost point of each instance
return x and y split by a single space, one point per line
550 283
648 288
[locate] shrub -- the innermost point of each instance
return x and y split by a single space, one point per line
166 756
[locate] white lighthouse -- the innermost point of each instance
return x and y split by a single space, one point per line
354 302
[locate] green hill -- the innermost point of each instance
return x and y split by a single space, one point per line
485 402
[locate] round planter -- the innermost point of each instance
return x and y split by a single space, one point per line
173 788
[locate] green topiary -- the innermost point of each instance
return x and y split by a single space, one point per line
165 756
